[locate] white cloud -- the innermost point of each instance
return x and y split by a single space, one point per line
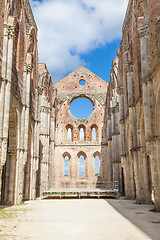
69 28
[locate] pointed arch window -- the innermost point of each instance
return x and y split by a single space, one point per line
69 134
66 166
81 166
97 165
81 134
94 134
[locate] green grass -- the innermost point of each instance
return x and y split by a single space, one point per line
154 210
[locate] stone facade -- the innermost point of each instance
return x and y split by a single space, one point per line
35 115
67 90
135 77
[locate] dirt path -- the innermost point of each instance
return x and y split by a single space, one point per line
67 219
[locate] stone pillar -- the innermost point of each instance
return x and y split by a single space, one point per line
127 165
146 111
11 32
5 91
44 142
27 156
157 193
147 190
10 194
19 177
130 84
52 152
110 162
143 31
155 169
4 67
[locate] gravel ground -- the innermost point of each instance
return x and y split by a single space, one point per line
84 219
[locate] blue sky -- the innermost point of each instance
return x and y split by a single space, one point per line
99 61
78 32
81 104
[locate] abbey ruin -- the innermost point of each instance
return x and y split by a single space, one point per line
38 133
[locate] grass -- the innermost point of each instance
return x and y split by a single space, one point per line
154 210
12 212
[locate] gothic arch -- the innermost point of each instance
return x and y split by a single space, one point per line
82 166
94 132
82 132
67 165
66 154
69 132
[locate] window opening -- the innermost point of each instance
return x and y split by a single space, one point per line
81 166
94 132
81 134
66 166
69 137
82 82
97 166
81 107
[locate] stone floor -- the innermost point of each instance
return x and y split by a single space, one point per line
84 219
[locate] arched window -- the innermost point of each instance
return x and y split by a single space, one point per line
69 131
81 166
81 134
97 165
66 166
94 134
69 134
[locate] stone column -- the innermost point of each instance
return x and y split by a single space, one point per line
26 160
11 178
9 33
143 31
52 152
27 101
157 195
130 84
146 110
155 169
147 193
44 141
4 80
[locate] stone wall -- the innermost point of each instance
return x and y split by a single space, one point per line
138 73
19 122
69 89
35 114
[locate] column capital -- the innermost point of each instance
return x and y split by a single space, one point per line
12 151
129 67
29 68
39 90
143 30
11 32
5 30
25 67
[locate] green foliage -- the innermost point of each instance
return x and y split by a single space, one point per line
154 210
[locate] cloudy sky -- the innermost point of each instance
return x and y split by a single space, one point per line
78 32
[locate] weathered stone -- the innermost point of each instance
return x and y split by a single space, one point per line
35 115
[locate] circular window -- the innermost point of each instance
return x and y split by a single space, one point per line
81 108
82 82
